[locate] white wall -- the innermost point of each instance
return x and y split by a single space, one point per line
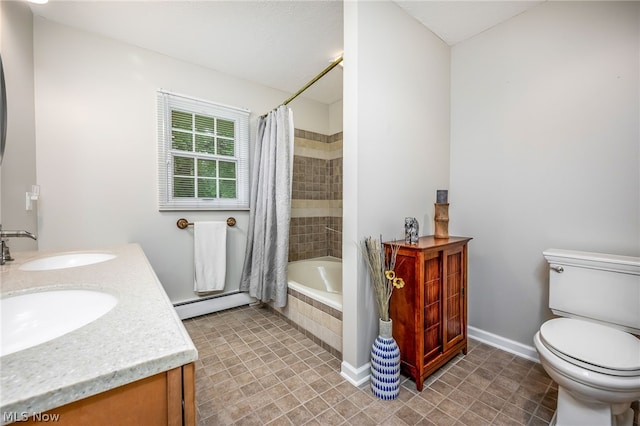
335 117
18 170
96 148
544 147
544 151
396 146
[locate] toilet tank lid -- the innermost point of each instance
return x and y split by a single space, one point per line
612 262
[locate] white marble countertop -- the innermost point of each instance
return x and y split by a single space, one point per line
141 336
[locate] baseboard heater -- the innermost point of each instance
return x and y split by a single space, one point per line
208 305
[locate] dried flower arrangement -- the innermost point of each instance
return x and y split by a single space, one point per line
381 268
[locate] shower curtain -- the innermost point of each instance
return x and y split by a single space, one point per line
264 274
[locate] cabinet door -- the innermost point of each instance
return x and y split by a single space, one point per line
433 306
454 298
402 309
166 398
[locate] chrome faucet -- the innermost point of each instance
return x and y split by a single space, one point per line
6 254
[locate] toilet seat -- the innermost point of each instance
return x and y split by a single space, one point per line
592 346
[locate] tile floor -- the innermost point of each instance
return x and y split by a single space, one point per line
255 369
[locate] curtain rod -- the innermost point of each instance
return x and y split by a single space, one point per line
316 78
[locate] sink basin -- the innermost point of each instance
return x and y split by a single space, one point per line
64 261
35 318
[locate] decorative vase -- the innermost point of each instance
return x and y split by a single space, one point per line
385 363
442 220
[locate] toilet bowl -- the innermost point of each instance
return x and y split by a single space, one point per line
598 373
592 355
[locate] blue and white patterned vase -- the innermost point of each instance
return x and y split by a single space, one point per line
385 363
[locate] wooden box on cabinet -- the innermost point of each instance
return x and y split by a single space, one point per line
430 312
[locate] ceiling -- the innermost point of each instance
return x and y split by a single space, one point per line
277 43
455 21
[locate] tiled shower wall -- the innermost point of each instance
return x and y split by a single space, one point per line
316 205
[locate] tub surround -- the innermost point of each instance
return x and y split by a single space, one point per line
140 337
319 322
316 197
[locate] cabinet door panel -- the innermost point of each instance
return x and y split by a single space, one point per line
433 307
402 311
454 285
432 343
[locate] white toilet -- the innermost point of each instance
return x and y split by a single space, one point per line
592 353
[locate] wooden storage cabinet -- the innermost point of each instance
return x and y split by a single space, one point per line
430 313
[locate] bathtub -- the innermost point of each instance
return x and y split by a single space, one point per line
314 301
319 278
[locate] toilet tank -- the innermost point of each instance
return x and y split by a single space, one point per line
598 287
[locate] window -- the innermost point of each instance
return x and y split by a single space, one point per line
203 154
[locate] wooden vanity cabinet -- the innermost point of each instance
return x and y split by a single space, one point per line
430 312
167 398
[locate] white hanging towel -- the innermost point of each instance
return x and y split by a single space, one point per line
210 239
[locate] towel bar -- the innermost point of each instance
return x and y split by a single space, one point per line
183 223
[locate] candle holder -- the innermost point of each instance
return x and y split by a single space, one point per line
442 220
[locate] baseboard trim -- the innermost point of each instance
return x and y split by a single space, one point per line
207 306
355 376
508 345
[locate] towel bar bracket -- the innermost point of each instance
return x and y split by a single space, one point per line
183 223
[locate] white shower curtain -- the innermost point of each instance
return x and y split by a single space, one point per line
264 274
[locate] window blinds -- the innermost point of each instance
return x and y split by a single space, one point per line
203 154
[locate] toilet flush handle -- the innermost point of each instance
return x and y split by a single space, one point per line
559 269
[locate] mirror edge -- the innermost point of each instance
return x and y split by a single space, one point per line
3 112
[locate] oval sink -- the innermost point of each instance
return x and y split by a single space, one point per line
64 261
35 318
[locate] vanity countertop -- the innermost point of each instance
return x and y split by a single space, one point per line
141 336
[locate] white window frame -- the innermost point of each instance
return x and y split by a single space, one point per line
166 202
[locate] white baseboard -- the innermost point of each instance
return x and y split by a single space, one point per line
355 376
215 304
511 346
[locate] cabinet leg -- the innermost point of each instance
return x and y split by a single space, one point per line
464 350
